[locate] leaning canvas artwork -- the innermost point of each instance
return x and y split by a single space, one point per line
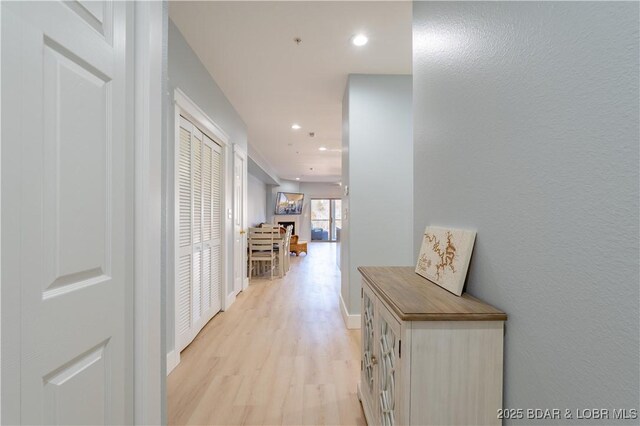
445 255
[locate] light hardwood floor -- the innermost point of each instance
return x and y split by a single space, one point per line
280 355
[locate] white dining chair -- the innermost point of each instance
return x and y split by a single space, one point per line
286 248
261 250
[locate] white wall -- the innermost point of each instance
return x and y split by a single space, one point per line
527 129
256 200
377 166
187 73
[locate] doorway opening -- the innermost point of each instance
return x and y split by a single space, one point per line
326 219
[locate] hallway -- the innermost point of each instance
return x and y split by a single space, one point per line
280 355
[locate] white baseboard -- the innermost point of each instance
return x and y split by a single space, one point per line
173 359
229 301
352 322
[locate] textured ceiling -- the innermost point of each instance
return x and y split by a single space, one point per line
249 49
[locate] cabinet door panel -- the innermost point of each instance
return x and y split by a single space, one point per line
388 358
368 377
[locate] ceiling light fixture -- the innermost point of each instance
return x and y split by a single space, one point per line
359 40
297 178
322 148
295 126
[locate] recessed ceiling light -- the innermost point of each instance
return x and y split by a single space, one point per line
359 40
322 148
297 178
295 126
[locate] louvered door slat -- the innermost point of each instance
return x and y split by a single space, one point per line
197 187
184 294
206 191
216 228
184 188
216 195
216 278
206 279
196 303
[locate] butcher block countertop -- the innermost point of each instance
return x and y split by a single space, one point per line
414 298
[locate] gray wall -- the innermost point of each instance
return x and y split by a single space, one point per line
526 129
377 167
187 73
256 201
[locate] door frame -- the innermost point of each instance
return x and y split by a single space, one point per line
188 109
237 150
150 70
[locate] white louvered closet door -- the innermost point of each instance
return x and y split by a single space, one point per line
211 227
184 267
196 185
198 257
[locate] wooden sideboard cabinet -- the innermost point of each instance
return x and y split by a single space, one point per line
428 357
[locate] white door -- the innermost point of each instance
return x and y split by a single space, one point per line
239 222
211 228
67 285
198 231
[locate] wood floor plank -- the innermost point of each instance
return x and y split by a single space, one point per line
280 355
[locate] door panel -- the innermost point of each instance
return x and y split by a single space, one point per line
369 377
75 168
388 355
70 123
87 374
214 243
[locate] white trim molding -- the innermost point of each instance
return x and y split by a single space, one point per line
228 301
352 322
240 150
214 131
173 359
242 153
149 368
